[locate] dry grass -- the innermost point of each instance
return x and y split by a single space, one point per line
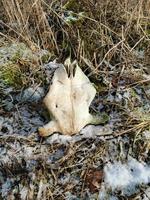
106 38
108 32
27 20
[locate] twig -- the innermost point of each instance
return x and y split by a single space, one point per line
108 53
137 126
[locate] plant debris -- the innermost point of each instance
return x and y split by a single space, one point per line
110 41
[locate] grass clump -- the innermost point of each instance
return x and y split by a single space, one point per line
19 65
11 74
105 32
15 60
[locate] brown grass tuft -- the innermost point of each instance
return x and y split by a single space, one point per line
105 32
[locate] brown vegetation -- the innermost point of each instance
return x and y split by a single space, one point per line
102 32
110 39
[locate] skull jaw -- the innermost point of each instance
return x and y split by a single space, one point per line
53 127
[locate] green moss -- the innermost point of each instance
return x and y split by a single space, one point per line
133 93
71 5
100 87
74 19
103 118
17 61
74 13
45 56
10 71
10 74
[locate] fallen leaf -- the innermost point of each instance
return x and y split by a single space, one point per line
93 179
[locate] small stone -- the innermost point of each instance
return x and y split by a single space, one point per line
56 156
33 94
52 65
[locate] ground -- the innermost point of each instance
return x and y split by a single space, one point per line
110 161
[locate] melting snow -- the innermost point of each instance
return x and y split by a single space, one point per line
119 176
125 177
89 131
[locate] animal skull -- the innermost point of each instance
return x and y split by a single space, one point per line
68 101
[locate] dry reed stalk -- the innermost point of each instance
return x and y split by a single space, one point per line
28 20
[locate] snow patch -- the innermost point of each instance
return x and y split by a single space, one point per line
120 176
117 175
57 138
89 131
124 177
